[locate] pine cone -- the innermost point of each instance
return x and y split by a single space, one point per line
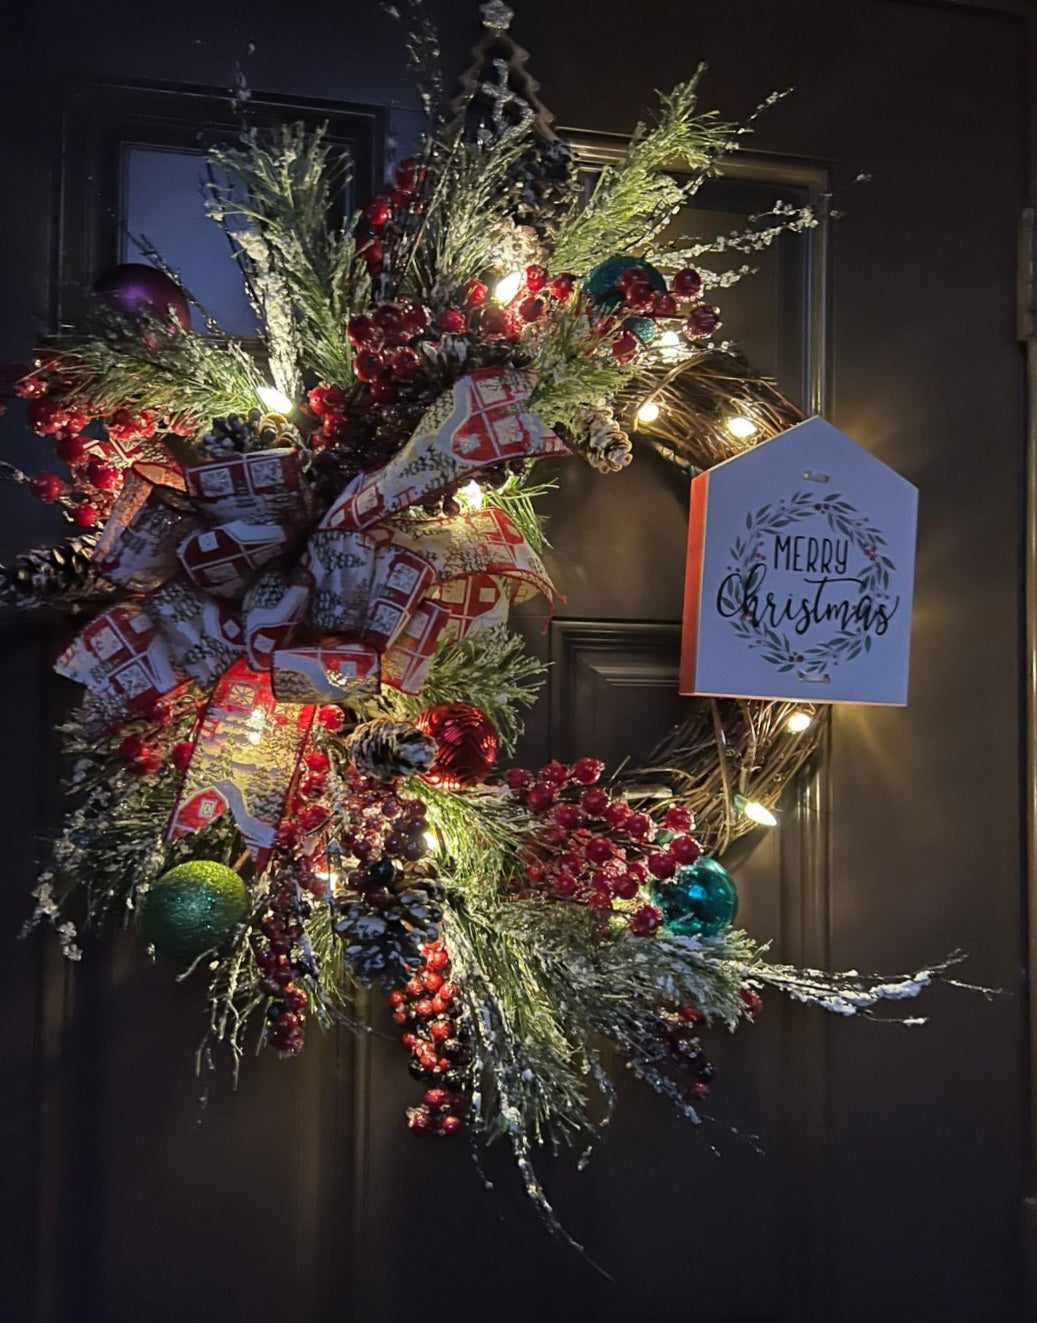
600 440
384 945
386 749
60 576
238 435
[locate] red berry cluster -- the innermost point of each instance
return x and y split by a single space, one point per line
678 1045
428 1007
387 214
386 832
594 849
96 480
640 298
282 929
146 751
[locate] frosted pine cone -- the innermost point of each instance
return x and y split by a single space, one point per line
386 749
600 440
59 576
237 434
384 945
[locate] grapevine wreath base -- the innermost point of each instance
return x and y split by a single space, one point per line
300 681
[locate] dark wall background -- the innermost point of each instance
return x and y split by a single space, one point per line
299 1197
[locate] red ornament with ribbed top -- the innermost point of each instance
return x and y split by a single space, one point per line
467 745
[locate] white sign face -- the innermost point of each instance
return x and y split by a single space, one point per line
800 573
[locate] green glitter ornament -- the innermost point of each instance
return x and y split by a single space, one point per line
600 285
700 901
193 908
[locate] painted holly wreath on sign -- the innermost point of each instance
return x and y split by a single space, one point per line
830 590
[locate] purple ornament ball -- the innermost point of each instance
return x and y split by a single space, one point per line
134 288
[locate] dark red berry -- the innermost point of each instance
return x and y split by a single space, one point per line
493 321
686 283
702 321
377 211
452 320
48 487
587 770
562 286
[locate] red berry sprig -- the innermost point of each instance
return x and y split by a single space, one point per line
282 933
593 849
428 1008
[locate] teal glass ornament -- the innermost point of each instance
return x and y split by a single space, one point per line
699 901
600 284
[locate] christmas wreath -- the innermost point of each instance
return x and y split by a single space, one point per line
295 568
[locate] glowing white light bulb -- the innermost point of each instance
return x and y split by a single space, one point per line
798 723
670 340
430 841
471 493
507 287
741 427
648 412
275 400
757 812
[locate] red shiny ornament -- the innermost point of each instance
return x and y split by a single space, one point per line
530 309
317 760
475 293
752 1001
136 289
664 305
467 745
687 283
518 778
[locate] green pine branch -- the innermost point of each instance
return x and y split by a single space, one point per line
633 200
274 202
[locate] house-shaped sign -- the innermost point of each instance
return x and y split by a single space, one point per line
800 573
